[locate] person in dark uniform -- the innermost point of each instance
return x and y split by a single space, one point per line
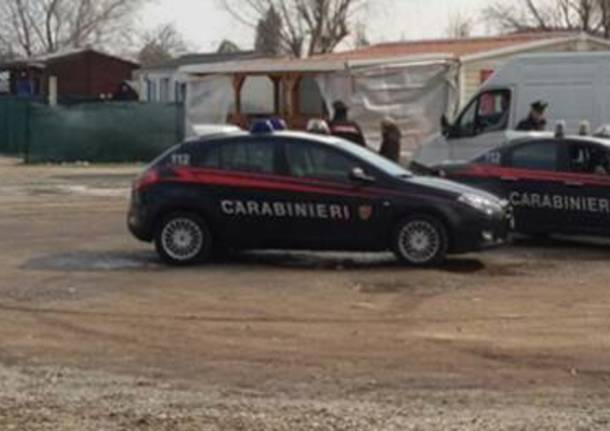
535 121
342 127
390 143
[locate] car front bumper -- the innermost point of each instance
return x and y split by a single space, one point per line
139 221
482 233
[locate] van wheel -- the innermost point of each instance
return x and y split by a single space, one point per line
183 239
421 241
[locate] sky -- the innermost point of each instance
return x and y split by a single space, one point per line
204 23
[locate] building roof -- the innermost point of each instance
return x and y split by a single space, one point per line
458 48
202 58
41 61
304 65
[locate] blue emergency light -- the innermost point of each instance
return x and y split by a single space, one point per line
261 127
278 124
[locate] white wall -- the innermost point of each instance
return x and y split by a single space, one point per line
163 87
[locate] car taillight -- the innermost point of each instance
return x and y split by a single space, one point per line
147 179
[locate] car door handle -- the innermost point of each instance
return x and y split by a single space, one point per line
573 183
509 178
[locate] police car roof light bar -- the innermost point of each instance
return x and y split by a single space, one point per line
261 127
278 124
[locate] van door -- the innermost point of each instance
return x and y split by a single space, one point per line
481 126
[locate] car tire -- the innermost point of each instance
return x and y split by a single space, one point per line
183 239
421 241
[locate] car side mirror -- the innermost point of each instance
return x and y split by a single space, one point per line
358 175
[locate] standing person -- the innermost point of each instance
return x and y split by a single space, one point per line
535 121
342 127
390 143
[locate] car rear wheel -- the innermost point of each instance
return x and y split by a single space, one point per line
421 241
183 239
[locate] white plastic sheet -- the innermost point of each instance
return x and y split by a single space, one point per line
415 94
208 101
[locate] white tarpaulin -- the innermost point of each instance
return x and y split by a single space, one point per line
415 94
208 101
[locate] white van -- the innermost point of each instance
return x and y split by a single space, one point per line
575 85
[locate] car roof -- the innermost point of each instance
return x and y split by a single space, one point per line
271 137
573 138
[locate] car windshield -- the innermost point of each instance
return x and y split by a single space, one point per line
381 163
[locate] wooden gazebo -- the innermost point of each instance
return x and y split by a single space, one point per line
286 75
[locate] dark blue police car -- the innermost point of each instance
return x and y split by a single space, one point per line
289 190
555 184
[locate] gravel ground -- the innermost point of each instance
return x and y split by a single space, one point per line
96 334
56 398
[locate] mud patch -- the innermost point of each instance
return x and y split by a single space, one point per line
95 261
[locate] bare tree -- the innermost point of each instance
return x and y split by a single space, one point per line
591 16
308 26
161 44
269 34
460 26
361 39
228 47
34 27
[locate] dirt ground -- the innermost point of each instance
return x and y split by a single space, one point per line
95 334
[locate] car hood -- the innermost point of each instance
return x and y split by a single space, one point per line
449 187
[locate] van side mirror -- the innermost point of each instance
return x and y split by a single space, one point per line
358 175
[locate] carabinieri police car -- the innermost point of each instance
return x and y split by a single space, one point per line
290 190
555 184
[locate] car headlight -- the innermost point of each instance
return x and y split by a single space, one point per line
481 203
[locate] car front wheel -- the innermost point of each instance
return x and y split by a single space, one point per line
421 241
183 239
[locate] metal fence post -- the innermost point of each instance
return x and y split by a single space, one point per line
28 132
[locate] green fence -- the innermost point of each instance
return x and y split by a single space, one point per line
13 125
94 132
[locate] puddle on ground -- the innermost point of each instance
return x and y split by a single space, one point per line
112 261
94 261
63 190
311 260
343 261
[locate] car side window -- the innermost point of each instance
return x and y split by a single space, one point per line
542 156
316 162
240 156
588 158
